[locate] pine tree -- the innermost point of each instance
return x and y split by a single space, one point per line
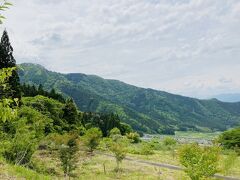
41 90
7 61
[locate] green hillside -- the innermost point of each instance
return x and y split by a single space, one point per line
146 110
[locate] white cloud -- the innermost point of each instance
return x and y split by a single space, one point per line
174 45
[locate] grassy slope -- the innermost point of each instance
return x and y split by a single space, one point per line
8 171
145 109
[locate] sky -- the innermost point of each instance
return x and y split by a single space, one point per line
187 47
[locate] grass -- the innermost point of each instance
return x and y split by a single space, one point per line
158 156
93 168
167 157
103 167
8 171
47 166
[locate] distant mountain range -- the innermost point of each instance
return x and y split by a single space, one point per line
228 97
146 110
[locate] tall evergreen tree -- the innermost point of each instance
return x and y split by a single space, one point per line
7 61
41 90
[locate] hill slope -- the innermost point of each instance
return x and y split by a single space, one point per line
145 110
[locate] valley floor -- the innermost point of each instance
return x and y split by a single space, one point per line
102 165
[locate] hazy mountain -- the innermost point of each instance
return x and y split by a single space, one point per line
145 110
228 97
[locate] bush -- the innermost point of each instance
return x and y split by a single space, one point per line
118 148
133 137
114 131
21 147
39 165
200 162
156 144
168 141
146 149
53 141
92 138
230 139
105 144
115 134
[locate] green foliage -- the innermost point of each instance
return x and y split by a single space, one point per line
53 141
37 122
199 161
115 134
106 122
125 128
146 149
119 149
68 156
7 61
21 147
25 173
134 137
92 138
156 144
230 139
142 148
70 112
146 110
229 162
66 117
6 113
32 90
23 135
114 131
50 108
168 141
3 6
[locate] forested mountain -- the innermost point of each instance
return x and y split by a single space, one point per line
146 110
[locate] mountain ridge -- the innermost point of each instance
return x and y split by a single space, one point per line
145 109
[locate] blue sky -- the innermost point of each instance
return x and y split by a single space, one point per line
188 47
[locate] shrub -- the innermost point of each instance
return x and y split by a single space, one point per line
115 134
118 148
133 137
168 141
53 141
114 131
39 165
156 144
21 147
92 138
230 139
200 162
104 144
146 149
